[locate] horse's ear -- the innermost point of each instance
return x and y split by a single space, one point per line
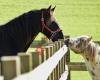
49 8
53 9
89 39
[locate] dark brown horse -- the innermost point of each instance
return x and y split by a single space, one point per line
17 35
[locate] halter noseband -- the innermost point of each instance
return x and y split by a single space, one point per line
47 28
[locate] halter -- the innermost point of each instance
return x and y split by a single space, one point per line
53 33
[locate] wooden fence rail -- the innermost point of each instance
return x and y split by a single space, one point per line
43 71
47 65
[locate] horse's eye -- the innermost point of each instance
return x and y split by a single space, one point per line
77 41
81 40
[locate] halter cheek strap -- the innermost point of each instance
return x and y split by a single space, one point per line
47 28
43 24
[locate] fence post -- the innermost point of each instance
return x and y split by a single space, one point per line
26 62
36 59
67 59
60 63
67 62
52 49
47 52
57 67
63 59
1 77
0 68
10 67
47 55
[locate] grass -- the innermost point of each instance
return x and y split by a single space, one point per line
77 75
76 17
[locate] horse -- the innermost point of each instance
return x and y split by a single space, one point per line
18 34
90 51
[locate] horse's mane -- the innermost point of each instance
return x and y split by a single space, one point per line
91 51
24 20
22 27
21 16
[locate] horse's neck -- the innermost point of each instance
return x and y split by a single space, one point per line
90 52
92 59
32 30
90 49
23 30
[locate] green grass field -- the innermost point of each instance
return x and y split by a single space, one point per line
76 17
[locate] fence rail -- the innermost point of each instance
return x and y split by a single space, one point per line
77 66
43 71
48 65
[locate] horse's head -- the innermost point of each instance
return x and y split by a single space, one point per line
50 27
78 44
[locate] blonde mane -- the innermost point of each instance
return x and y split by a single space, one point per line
91 51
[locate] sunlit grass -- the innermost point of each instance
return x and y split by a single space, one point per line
80 75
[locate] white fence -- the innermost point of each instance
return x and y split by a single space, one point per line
43 71
49 65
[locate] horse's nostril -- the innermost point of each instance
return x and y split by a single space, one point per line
66 41
70 43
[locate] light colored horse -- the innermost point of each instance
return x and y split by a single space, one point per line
90 51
